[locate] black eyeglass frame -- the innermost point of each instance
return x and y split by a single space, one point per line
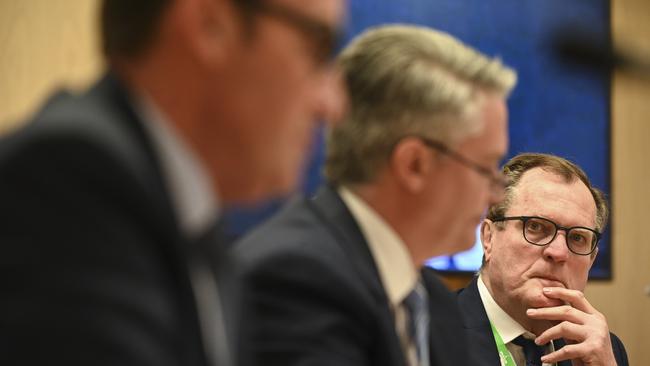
525 219
324 37
496 179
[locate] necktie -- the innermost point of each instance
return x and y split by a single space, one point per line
417 304
532 352
205 261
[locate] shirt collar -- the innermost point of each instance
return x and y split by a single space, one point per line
507 327
190 185
396 269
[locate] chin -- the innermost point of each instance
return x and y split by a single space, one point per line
542 301
266 189
537 299
467 241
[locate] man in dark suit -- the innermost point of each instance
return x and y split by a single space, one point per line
334 279
108 246
526 306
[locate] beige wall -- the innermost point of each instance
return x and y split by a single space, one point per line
46 43
43 44
623 300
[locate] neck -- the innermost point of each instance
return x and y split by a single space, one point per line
396 208
153 78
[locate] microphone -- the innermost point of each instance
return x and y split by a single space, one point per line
586 50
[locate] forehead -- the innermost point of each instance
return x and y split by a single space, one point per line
541 193
330 12
491 143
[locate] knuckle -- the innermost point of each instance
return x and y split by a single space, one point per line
600 343
564 351
564 326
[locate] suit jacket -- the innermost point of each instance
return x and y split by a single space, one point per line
316 297
483 349
94 269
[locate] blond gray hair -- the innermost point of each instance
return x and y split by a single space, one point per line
407 80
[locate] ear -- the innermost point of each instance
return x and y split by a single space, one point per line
209 27
486 239
411 164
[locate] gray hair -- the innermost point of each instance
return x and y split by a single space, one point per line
407 80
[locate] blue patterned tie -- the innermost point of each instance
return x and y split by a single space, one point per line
417 303
532 352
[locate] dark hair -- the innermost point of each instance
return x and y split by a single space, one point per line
128 27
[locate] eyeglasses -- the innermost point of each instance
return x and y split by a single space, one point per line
497 180
323 37
540 231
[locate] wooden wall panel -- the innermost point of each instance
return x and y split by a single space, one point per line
624 300
44 44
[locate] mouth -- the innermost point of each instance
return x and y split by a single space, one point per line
550 281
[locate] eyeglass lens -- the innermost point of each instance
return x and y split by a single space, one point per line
542 232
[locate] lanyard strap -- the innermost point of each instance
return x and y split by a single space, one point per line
504 354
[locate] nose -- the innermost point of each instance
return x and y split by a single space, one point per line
332 97
557 250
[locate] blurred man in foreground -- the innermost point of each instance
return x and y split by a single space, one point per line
108 244
539 243
334 279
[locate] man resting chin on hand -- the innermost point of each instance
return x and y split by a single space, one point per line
527 306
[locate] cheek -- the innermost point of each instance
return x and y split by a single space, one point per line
463 194
514 259
579 273
473 190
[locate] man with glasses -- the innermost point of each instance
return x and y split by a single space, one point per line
109 246
526 307
334 279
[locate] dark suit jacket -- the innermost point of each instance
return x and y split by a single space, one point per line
93 266
483 349
316 296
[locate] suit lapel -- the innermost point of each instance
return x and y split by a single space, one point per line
477 326
447 340
111 96
483 348
328 206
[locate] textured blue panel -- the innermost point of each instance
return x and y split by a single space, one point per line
555 108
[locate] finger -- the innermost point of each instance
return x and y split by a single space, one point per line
568 352
562 313
574 297
566 330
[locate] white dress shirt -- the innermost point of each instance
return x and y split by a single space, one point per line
396 269
195 204
507 327
191 188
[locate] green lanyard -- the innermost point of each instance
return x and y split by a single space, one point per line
504 355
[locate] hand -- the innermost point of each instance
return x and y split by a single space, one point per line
580 324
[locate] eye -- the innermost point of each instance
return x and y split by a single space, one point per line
534 226
578 238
